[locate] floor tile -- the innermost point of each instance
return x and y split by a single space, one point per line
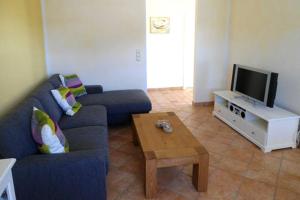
116 141
264 169
259 154
182 184
134 166
204 135
283 194
241 142
290 167
130 148
134 192
214 158
188 170
243 155
215 147
292 154
117 182
289 176
232 165
222 185
166 194
222 140
118 158
167 175
262 176
289 182
267 162
254 190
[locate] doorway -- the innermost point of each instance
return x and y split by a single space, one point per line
170 43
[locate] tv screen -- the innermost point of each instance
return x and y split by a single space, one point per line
251 83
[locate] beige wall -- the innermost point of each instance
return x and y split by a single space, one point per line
266 34
21 49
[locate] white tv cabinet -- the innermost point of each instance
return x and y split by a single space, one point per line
268 128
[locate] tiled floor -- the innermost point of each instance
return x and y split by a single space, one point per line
238 169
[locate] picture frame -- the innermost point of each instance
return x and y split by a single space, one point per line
160 25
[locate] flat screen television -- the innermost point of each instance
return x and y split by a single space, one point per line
256 84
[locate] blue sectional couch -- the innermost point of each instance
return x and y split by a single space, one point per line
80 174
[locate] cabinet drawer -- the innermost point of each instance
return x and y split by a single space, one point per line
250 130
256 133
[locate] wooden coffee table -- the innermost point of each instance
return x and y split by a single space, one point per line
166 150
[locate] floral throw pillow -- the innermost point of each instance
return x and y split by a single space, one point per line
66 100
74 84
47 134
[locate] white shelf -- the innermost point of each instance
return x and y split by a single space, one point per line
268 128
6 180
260 124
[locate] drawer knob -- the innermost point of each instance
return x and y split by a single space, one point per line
234 120
253 133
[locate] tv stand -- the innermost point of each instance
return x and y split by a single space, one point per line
268 128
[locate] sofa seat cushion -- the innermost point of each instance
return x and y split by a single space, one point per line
76 175
119 101
87 116
87 138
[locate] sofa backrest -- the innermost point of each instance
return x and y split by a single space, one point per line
43 94
16 140
55 81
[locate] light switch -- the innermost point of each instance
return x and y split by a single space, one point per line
138 55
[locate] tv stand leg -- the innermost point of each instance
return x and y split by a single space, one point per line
267 150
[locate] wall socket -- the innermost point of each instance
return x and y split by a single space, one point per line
138 55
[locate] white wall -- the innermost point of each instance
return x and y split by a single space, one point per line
266 34
211 51
171 56
97 40
189 44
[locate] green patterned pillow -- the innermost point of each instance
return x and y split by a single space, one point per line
74 84
47 134
66 100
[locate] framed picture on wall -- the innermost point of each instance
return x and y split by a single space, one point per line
160 25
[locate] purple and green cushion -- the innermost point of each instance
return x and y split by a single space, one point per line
47 134
74 84
66 100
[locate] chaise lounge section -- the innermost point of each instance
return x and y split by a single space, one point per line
120 104
80 174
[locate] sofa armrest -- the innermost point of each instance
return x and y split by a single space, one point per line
74 175
93 89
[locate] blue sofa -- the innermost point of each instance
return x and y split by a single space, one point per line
80 174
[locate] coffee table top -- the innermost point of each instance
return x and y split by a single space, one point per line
154 141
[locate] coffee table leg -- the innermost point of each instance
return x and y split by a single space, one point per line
151 181
200 173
